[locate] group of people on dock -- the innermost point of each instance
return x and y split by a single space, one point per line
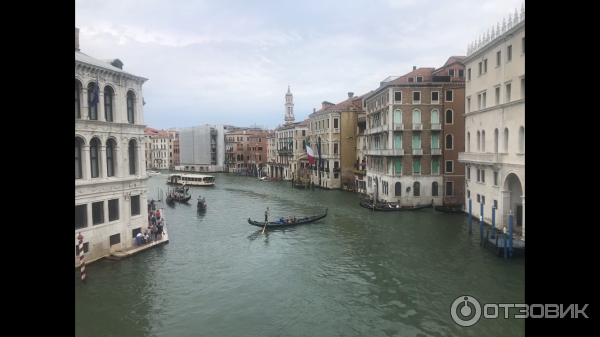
156 224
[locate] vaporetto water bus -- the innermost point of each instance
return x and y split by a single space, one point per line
191 179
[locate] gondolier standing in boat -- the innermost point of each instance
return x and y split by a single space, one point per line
267 213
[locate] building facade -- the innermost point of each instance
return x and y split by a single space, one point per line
202 148
110 168
495 124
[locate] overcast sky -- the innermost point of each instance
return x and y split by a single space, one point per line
230 62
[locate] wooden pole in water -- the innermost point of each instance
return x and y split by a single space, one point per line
81 262
470 213
510 231
481 222
493 220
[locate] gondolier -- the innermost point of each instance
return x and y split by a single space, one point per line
267 213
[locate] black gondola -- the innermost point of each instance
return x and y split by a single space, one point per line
449 209
302 221
401 209
201 204
171 199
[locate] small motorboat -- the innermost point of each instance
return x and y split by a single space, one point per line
268 179
450 209
152 173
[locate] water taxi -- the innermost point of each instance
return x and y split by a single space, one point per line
191 179
152 173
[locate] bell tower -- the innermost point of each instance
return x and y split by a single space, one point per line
289 107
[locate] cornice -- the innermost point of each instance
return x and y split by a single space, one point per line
519 101
106 75
496 42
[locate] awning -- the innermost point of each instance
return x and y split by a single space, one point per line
363 164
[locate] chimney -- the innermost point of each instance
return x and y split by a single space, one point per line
414 68
314 110
350 94
76 39
323 105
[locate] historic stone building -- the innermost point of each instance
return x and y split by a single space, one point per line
160 148
495 123
110 169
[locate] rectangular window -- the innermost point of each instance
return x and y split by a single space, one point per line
469 73
479 102
508 53
449 189
449 95
478 175
335 148
97 212
483 100
134 232
523 45
86 247
483 199
411 79
451 72
303 133
449 166
497 98
416 97
507 93
461 73
398 96
483 176
419 79
478 198
328 123
480 64
498 58
469 194
80 216
135 205
114 239
469 104
485 66
495 178
260 157
522 88
435 97
468 173
496 204
335 123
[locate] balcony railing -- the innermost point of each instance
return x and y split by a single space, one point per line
398 127
436 126
417 126
392 152
337 169
417 152
483 158
336 130
436 151
436 173
364 147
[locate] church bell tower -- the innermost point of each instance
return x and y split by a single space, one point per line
289 107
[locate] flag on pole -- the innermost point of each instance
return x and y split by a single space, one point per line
96 99
309 152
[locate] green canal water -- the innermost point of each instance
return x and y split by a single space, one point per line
354 273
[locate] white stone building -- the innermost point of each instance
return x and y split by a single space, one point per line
495 123
110 169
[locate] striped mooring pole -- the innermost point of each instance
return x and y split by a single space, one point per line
481 223
81 262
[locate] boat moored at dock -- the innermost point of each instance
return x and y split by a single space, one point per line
191 179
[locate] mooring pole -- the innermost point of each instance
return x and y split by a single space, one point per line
81 262
504 231
470 212
481 222
493 220
510 231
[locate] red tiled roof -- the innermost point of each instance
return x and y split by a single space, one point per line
424 72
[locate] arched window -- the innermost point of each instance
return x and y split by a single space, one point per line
448 116
434 189
132 157
397 117
435 116
435 142
397 141
94 157
417 189
478 141
496 141
522 139
449 142
435 167
78 172
468 142
108 103
398 189
130 112
505 140
416 117
416 167
398 166
92 108
416 141
77 99
483 141
110 158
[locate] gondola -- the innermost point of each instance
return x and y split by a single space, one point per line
301 221
201 204
401 209
448 209
171 199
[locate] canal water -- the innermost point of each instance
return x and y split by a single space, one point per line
354 273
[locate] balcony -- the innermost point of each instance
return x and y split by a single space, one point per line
436 126
334 156
436 152
337 169
436 173
480 158
398 127
364 148
417 127
213 132
336 130
360 173
417 152
392 152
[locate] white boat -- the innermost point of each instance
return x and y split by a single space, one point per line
152 173
191 179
